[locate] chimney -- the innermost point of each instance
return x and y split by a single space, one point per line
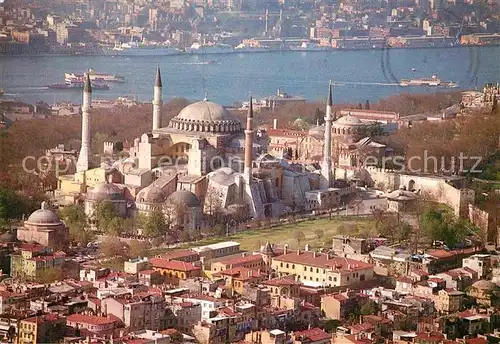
275 123
306 248
285 249
327 256
314 254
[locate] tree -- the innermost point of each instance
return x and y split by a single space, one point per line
319 233
13 205
369 308
139 248
104 215
155 224
318 117
331 325
299 237
50 275
74 217
112 248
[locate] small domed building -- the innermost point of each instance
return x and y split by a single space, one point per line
401 200
106 192
149 198
184 209
44 227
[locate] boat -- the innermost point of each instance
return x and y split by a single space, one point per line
95 76
211 48
243 48
79 84
141 49
1 91
433 81
309 46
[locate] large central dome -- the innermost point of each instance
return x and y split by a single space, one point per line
205 116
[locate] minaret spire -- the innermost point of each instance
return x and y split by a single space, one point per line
83 159
157 101
326 166
249 143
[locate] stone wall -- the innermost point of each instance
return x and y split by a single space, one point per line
438 188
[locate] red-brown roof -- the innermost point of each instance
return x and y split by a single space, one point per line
240 273
323 260
276 282
313 334
241 260
476 341
284 132
89 319
173 265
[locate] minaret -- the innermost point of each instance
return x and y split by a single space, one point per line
83 159
326 165
249 144
267 21
157 101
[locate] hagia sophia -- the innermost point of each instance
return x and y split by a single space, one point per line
205 159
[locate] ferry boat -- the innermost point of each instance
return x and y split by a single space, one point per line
79 84
309 46
433 81
242 48
140 49
95 76
213 48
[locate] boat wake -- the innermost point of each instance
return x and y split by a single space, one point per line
196 63
343 83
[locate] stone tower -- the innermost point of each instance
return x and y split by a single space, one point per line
157 101
83 159
249 144
326 165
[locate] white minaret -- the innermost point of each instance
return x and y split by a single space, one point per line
157 101
83 159
326 165
249 144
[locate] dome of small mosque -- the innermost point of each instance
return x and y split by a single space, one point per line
151 194
105 191
348 120
44 216
185 198
205 116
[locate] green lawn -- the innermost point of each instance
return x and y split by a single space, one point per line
252 239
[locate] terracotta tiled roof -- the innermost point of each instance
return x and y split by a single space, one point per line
173 265
276 282
89 319
476 341
241 260
285 132
405 279
240 273
313 334
323 260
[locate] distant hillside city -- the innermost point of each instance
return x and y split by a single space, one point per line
144 28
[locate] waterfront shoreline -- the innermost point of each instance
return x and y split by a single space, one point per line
252 52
